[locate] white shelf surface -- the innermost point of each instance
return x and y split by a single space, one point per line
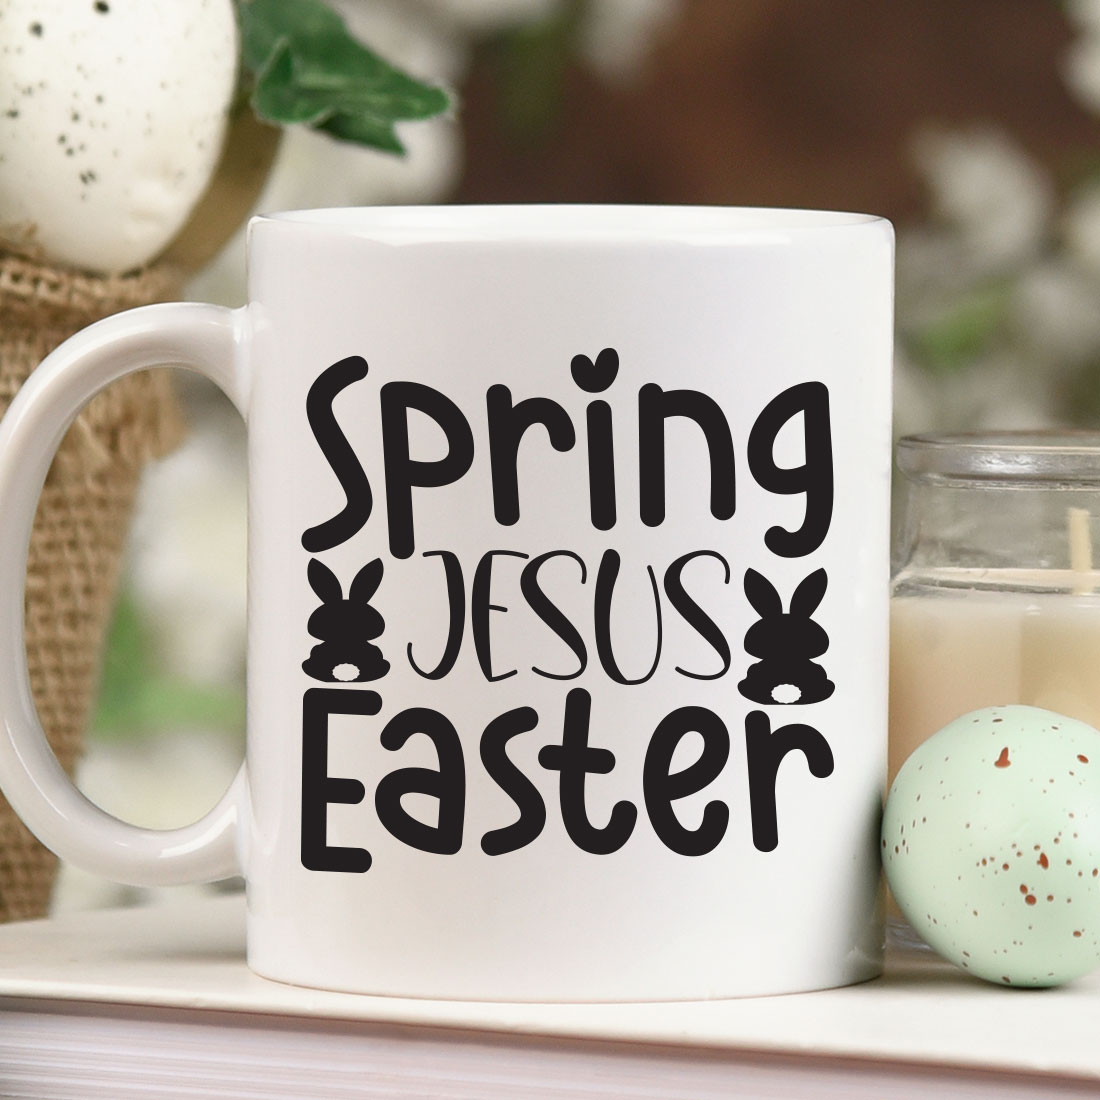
191 956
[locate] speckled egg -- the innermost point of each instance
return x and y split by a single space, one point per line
991 845
112 114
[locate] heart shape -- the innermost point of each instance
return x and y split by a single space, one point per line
595 377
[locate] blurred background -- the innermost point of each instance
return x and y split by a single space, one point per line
972 126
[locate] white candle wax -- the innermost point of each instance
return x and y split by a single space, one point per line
1028 637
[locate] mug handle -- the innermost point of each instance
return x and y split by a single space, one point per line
209 339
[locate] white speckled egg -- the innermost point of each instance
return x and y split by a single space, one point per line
991 844
112 114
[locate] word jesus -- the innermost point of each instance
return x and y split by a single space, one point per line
508 421
573 759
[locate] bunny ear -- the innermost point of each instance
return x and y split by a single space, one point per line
763 597
809 594
324 582
366 581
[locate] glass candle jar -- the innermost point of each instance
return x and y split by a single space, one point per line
994 598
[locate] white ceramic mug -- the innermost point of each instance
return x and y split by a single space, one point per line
567 599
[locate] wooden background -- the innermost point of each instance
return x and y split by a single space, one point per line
806 103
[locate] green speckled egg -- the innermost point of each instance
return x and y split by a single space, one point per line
991 844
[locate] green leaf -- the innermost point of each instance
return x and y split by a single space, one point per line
265 22
961 334
137 699
307 69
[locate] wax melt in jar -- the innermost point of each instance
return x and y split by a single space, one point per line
995 599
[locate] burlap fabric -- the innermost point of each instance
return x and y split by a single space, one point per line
81 525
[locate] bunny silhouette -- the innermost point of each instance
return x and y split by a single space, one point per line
345 627
785 642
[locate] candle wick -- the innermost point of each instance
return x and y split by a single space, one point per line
1080 549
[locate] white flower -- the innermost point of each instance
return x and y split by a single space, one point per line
1055 313
1081 65
480 16
1081 69
313 169
1085 13
989 193
616 35
1081 229
409 35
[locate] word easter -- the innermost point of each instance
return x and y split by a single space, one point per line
509 420
573 758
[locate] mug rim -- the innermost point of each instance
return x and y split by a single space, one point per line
615 222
